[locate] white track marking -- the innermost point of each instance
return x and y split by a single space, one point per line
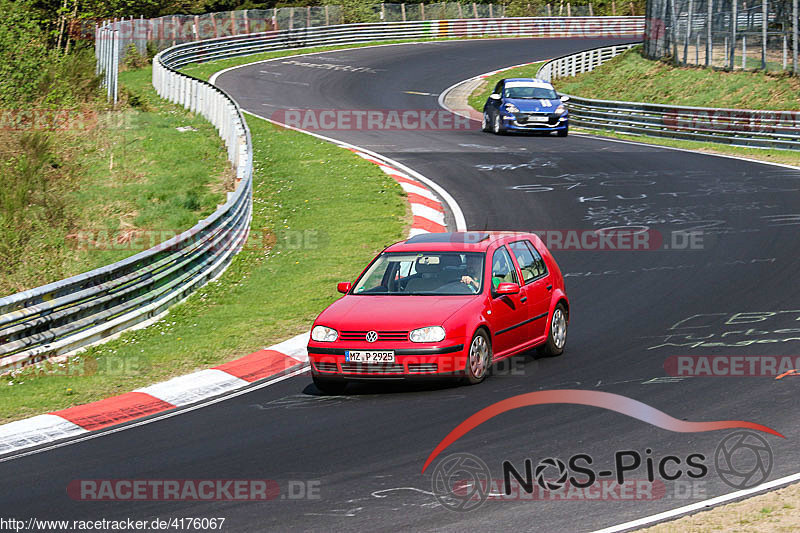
157 418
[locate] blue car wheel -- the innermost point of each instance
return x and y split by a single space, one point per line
497 125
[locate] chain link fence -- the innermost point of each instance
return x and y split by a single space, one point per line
729 34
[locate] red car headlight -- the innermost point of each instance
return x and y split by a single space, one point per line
324 334
428 334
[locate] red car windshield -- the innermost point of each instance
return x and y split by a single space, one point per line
439 273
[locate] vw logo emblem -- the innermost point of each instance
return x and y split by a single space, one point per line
372 336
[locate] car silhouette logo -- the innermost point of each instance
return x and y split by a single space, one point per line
372 336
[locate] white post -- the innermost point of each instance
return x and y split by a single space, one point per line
785 52
794 36
697 51
709 38
734 24
764 19
688 35
744 51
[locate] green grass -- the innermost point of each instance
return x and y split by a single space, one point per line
633 78
130 171
479 95
320 213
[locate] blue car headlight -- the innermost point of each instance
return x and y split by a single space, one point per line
560 110
511 108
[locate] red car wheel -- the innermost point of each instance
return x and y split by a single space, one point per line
479 358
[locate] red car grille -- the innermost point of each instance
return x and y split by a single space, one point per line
366 368
382 335
326 367
422 367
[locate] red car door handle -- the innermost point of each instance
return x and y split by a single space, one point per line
549 287
523 299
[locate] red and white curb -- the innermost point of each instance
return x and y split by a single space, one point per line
177 392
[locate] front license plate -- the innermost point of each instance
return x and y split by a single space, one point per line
369 356
537 119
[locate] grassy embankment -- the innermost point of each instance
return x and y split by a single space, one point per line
320 213
630 77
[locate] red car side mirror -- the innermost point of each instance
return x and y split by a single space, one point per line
344 287
507 288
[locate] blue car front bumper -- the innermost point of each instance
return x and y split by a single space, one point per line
520 122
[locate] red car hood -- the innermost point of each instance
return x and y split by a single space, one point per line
391 312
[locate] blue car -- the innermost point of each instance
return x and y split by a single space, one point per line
525 104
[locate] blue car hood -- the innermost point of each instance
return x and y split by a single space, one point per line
527 105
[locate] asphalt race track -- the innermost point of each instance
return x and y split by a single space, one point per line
630 310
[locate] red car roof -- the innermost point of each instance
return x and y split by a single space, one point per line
462 241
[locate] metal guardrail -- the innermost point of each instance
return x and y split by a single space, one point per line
739 127
63 316
60 317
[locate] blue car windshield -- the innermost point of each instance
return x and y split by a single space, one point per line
531 92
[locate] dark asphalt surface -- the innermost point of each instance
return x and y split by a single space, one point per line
630 311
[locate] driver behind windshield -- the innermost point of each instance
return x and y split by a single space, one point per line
531 93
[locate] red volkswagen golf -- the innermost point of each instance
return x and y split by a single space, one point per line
442 304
